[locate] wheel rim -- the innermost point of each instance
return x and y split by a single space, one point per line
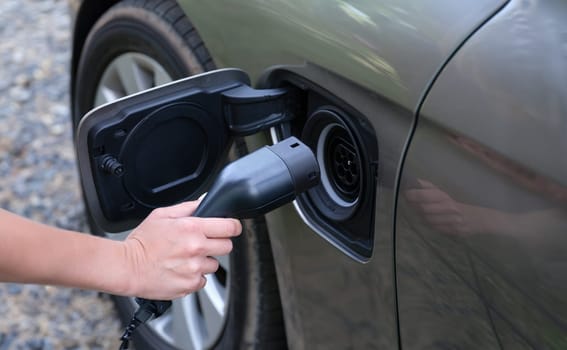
197 320
127 74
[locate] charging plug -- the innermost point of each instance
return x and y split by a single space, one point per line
248 187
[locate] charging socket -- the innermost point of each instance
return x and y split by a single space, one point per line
341 208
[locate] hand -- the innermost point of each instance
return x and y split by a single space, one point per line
169 253
441 211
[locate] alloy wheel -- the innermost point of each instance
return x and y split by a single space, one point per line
195 321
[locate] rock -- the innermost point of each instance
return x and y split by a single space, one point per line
14 289
38 177
20 94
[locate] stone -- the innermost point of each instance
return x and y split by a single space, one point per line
38 177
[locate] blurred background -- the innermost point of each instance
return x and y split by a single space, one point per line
38 178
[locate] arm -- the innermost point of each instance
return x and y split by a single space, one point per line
164 258
36 253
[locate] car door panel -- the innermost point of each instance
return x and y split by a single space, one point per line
378 58
323 288
390 47
480 244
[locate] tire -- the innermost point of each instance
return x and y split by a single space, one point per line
157 34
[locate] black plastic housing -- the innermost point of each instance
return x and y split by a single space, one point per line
261 181
348 226
254 185
166 144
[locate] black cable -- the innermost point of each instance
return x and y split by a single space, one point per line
146 310
134 323
249 187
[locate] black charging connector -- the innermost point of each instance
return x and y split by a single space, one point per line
147 309
248 187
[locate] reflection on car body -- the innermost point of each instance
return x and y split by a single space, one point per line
454 113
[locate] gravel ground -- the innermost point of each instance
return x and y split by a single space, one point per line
38 177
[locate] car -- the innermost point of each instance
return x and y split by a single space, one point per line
439 220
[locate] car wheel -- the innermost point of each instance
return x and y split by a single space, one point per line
134 46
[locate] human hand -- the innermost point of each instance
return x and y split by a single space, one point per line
169 253
439 210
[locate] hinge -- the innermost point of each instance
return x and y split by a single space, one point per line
247 110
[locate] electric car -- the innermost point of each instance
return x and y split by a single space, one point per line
439 220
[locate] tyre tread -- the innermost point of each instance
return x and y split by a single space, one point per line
170 12
267 315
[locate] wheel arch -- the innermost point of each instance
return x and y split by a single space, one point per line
86 14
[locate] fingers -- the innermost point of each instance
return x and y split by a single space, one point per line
203 282
210 265
438 220
217 247
219 228
205 266
175 249
193 277
426 184
180 210
426 195
441 208
212 227
209 247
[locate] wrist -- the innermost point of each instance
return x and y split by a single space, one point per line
123 280
112 265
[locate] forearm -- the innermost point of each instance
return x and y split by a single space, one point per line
36 253
165 257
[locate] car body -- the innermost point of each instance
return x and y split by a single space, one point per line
455 234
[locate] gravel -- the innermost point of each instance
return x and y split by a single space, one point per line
38 177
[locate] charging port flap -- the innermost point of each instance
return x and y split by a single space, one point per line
166 144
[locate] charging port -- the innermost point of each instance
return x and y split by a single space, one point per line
340 161
342 164
341 209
